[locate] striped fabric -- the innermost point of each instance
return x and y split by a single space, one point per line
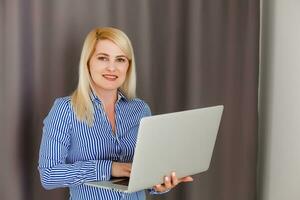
72 153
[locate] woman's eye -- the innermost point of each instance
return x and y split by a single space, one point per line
121 60
102 58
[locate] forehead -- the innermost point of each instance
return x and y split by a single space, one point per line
108 47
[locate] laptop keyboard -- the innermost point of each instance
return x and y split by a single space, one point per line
124 181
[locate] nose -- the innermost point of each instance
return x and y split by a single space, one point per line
111 66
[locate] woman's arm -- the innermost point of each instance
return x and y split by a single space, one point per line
54 171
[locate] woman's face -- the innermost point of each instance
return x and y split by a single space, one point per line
108 66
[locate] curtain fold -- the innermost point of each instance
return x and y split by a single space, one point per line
189 54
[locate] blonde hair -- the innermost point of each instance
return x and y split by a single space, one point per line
80 99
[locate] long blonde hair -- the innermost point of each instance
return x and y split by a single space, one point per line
80 99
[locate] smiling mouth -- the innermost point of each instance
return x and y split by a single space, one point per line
110 77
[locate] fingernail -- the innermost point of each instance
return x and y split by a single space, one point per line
173 173
166 178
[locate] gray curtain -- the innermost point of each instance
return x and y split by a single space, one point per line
190 54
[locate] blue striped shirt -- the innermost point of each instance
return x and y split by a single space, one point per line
72 152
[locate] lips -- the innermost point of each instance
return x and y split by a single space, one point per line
110 77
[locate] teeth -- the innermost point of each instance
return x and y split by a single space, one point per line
110 76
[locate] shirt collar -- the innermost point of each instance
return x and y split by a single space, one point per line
95 98
121 96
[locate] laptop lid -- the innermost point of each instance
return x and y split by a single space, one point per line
182 142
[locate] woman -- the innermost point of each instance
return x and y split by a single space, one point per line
91 135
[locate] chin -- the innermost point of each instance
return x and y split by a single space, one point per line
111 88
108 86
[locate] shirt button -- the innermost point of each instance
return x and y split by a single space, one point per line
103 176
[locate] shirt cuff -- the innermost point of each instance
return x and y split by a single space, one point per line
103 170
152 191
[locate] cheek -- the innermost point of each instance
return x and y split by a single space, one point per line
90 68
95 68
92 72
125 70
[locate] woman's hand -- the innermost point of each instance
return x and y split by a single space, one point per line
171 182
120 169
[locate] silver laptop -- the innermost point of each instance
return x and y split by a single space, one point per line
182 142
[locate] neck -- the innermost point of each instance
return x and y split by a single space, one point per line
107 97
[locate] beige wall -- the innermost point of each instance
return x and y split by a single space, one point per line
280 101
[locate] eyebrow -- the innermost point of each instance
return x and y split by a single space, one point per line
105 54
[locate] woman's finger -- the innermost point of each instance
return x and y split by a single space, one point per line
186 179
127 166
175 180
168 182
159 188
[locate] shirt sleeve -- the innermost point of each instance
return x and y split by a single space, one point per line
147 111
54 171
